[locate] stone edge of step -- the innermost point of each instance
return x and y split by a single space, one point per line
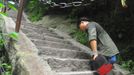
63 59
60 49
76 73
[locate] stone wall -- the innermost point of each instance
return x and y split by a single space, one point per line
23 54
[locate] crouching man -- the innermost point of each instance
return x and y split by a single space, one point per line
102 46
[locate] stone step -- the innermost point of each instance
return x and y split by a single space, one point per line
49 38
37 28
113 72
63 49
43 34
33 33
53 44
67 64
39 31
77 73
54 39
42 37
63 53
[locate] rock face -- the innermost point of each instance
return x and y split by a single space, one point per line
64 55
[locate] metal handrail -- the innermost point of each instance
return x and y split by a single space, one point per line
65 5
78 3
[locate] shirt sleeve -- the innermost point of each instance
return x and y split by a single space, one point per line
92 32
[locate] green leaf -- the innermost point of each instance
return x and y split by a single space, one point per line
123 2
7 73
14 35
2 5
3 14
9 67
2 41
12 6
4 64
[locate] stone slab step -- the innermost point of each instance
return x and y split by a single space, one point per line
34 34
41 40
39 31
67 64
113 72
42 37
53 44
63 49
76 73
49 38
63 53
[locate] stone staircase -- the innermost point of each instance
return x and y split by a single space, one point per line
62 56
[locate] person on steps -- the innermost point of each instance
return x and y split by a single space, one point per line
99 41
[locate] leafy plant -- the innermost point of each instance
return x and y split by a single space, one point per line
123 2
9 5
79 36
12 6
1 42
129 65
2 5
14 35
36 9
4 14
5 69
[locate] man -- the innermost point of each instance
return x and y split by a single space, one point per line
99 40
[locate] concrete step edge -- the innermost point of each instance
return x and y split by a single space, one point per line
53 37
63 59
48 41
59 49
76 73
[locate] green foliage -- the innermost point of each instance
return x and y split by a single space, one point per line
79 36
14 35
123 2
2 5
7 69
129 65
36 9
9 5
12 6
1 41
3 14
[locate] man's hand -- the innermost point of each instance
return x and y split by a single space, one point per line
95 54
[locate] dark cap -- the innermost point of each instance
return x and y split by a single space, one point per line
81 19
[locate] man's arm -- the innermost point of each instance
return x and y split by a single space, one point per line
93 46
92 37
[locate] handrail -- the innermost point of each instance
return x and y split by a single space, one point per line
65 4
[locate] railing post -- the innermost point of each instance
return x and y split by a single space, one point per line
19 15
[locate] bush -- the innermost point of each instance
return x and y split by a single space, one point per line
36 9
6 69
79 36
129 65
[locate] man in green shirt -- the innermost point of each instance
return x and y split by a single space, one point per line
99 40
